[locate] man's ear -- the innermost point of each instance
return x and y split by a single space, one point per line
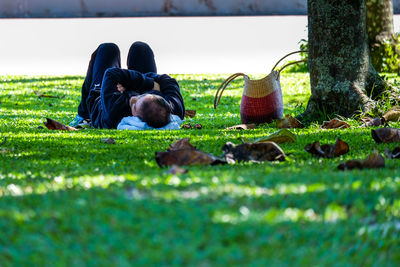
133 100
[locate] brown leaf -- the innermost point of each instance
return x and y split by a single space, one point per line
366 119
190 113
181 144
185 157
335 124
108 141
55 125
198 126
39 94
374 160
328 151
395 154
386 135
315 149
393 114
350 165
289 122
242 127
267 151
340 148
370 122
279 137
176 170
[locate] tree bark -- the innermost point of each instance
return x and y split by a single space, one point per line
379 19
341 75
380 30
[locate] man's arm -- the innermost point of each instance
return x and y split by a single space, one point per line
133 80
171 92
115 104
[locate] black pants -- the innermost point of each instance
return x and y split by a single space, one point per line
107 55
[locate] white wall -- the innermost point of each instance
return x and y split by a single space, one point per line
180 44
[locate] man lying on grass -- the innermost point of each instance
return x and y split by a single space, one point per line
119 98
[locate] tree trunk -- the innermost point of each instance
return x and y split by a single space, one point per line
379 19
341 76
381 39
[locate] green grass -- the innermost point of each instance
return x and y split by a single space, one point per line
67 199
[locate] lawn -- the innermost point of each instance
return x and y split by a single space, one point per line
68 199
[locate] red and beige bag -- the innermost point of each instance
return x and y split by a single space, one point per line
262 99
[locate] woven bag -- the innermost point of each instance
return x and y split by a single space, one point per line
262 99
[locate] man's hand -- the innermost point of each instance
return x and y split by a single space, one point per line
156 86
120 88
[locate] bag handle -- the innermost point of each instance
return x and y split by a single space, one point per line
291 63
222 87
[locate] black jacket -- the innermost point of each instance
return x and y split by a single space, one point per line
112 105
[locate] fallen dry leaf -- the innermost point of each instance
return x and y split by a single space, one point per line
267 151
386 135
370 122
176 170
374 160
108 141
351 164
335 124
190 113
242 127
183 153
181 144
366 119
187 126
395 154
328 151
279 137
288 122
393 114
39 94
55 125
186 157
